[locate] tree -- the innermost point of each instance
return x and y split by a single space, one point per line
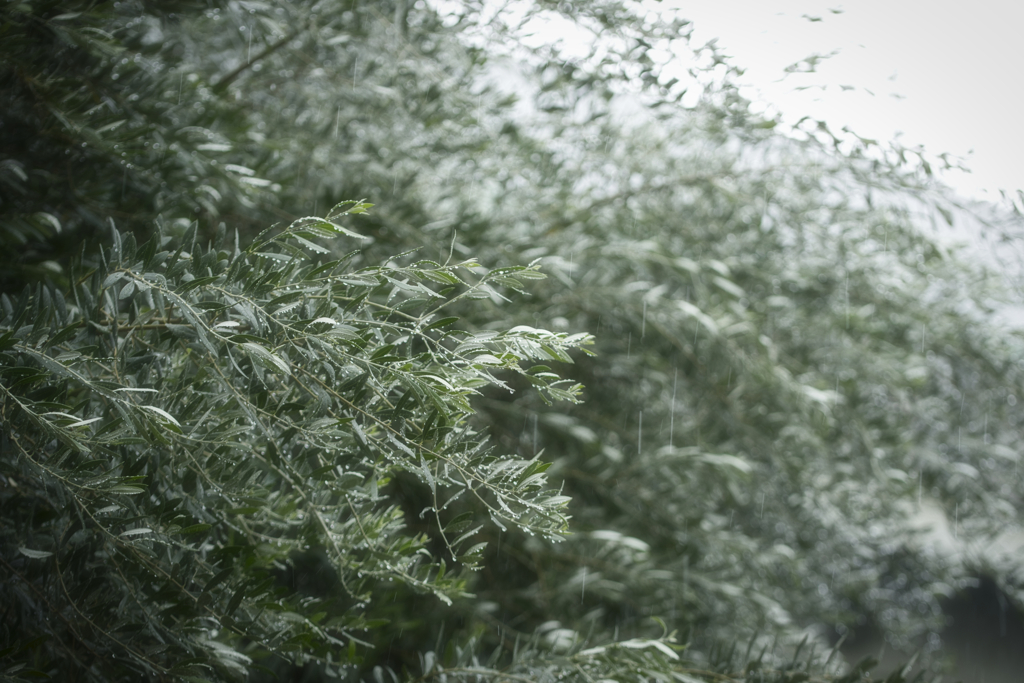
779 379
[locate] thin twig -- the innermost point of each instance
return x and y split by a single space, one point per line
223 83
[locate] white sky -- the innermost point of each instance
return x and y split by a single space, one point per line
947 75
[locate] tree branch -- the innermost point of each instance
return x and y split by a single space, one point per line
223 83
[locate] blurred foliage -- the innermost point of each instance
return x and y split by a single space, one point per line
789 365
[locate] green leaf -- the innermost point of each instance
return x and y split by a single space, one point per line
164 414
126 489
266 359
555 353
443 322
236 599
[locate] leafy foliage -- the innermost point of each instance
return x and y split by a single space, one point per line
232 457
189 423
102 120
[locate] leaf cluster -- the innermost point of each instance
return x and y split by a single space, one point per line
188 423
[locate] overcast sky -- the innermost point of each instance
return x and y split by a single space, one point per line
945 74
